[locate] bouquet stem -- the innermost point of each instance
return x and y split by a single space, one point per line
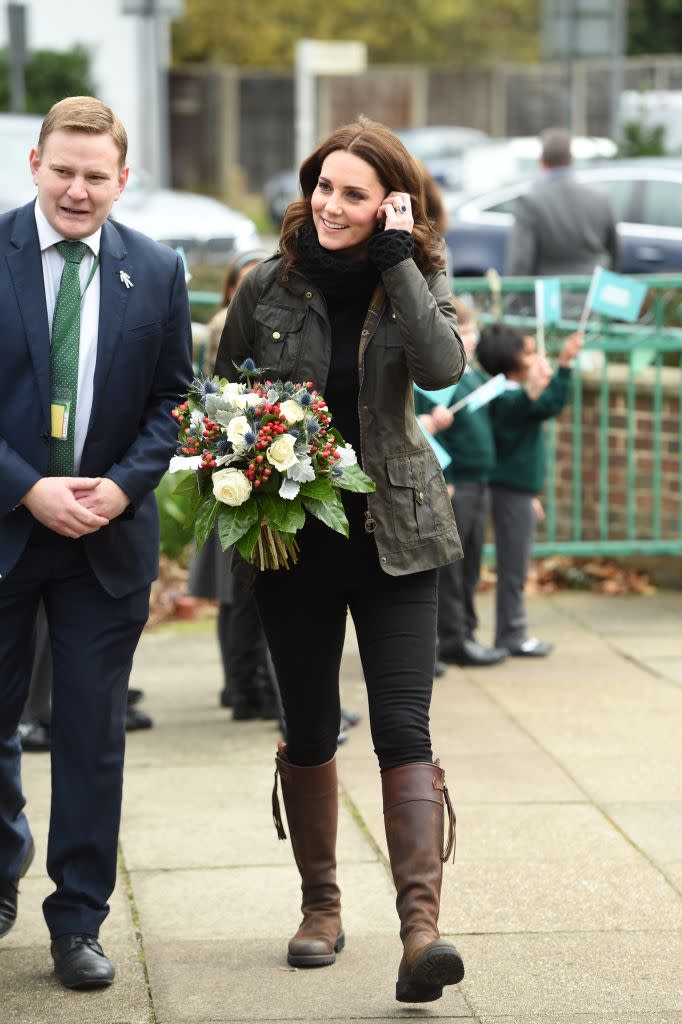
272 551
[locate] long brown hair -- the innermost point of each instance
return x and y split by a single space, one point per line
396 170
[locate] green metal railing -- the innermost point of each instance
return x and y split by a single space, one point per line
600 497
613 487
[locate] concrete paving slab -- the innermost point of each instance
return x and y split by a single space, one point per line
496 896
656 828
644 644
618 613
259 902
652 1017
32 995
669 668
250 981
545 976
623 778
608 730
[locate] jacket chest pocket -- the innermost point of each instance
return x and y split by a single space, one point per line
419 497
388 334
278 336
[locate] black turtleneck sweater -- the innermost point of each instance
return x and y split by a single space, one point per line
347 287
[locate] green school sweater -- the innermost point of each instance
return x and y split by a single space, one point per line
469 440
518 432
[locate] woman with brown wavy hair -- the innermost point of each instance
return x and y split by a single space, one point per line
357 302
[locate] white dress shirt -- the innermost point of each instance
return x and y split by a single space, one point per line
53 265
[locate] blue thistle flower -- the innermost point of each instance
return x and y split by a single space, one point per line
208 388
223 447
250 437
248 366
312 427
305 400
336 471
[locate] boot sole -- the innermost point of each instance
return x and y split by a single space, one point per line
438 965
317 959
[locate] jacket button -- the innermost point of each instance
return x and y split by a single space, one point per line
365 333
45 436
421 496
276 335
393 316
308 295
383 559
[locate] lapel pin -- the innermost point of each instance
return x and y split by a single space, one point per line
125 279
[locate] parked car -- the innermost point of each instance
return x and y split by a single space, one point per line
439 147
498 161
647 200
208 230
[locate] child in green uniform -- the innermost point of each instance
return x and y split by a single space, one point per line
533 395
468 440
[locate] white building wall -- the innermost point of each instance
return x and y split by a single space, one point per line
116 43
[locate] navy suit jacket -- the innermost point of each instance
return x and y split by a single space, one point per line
143 369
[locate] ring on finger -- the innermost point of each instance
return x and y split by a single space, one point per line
402 208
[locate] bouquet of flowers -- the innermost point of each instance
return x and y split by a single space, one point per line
262 455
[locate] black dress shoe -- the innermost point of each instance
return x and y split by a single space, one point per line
471 653
80 962
134 697
34 736
9 892
532 648
136 719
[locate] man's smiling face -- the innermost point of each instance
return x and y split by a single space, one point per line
79 177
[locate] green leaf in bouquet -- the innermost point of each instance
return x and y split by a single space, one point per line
321 488
331 513
282 514
204 518
353 479
247 542
234 522
187 483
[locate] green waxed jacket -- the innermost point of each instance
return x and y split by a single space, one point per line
409 334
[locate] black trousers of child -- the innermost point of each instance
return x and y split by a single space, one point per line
304 616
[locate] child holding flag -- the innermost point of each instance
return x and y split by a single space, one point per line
468 440
532 395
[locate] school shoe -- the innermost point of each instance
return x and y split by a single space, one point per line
136 719
532 648
349 718
471 654
34 736
80 962
415 798
9 893
311 799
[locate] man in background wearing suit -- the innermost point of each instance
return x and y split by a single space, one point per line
561 226
95 352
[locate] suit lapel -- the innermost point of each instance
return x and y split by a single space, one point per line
26 269
113 300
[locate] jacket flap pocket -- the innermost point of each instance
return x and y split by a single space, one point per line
413 470
400 472
279 318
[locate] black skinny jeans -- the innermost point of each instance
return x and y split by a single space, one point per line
304 616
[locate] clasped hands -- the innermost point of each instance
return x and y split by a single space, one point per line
75 506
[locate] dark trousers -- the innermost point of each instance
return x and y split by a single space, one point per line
39 701
457 582
304 616
514 522
93 639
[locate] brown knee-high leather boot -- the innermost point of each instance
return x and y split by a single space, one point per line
415 796
311 799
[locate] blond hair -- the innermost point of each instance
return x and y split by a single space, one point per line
85 114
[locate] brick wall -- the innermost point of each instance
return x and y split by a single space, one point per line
644 457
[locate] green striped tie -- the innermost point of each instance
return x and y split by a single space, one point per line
66 333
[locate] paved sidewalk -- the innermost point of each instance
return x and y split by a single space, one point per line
566 899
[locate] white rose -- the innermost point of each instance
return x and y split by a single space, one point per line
231 486
236 429
291 411
347 456
231 389
245 401
280 454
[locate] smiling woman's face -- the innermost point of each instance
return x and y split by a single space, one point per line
345 202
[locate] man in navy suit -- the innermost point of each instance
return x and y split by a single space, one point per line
85 540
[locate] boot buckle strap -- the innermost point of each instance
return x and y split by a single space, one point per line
451 844
276 811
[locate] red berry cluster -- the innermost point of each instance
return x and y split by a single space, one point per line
257 471
181 414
